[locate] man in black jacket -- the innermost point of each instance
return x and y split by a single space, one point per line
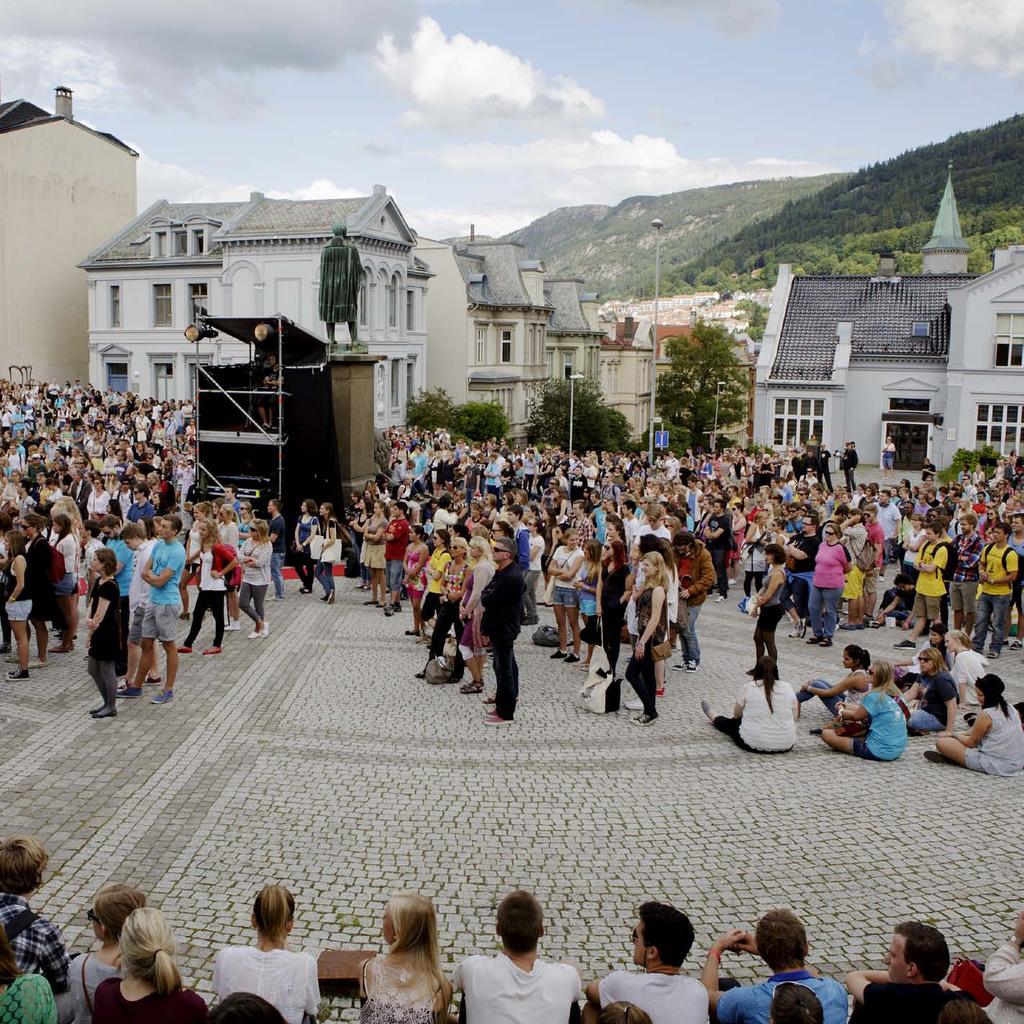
848 464
502 601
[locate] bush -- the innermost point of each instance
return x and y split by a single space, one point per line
480 421
430 410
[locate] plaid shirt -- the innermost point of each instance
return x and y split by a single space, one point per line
584 529
40 948
968 554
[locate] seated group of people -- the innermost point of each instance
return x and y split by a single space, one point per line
873 714
133 977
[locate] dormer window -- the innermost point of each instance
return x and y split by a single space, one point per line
921 329
198 241
159 243
180 243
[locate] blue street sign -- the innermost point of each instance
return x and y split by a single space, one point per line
661 439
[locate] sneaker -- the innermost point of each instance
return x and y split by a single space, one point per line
18 673
692 666
255 634
163 698
719 599
705 706
184 650
266 630
557 655
397 607
129 691
35 663
850 625
633 704
233 626
493 718
643 719
571 659
679 667
905 645
210 650
1015 645
991 655
799 632
388 611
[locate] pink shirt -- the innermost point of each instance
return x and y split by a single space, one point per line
829 565
877 537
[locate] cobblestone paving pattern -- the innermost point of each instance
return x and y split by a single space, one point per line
315 759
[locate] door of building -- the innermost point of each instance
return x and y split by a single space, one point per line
117 376
911 440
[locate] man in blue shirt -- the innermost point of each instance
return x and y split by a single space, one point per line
161 620
141 507
781 941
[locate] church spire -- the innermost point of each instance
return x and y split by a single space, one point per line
946 251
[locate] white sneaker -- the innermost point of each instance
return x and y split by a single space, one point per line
266 629
633 705
232 627
254 635
719 599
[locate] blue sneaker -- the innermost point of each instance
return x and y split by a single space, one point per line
129 691
163 698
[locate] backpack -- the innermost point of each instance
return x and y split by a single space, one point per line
546 636
949 570
57 568
1006 556
867 556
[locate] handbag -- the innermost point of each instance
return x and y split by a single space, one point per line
591 632
545 636
438 670
331 551
316 546
967 976
662 651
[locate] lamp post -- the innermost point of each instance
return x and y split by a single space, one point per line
573 377
657 225
714 432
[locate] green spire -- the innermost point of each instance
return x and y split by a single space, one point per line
946 236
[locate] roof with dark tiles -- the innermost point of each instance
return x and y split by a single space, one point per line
492 273
882 310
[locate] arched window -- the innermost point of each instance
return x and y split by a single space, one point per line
364 292
382 298
393 301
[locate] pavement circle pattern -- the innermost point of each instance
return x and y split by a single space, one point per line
317 760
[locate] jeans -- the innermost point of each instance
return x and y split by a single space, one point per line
276 572
824 606
324 574
800 589
924 721
720 559
506 674
530 597
991 611
832 703
689 646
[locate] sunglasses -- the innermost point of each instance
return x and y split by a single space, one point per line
92 917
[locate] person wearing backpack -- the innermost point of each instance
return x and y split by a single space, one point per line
998 570
863 555
930 588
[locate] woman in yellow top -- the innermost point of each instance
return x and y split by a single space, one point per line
440 557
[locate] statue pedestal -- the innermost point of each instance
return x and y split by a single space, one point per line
352 392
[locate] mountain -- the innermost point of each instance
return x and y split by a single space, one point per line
889 206
612 247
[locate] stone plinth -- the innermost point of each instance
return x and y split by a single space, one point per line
352 379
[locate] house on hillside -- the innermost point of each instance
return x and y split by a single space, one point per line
149 281
64 187
934 360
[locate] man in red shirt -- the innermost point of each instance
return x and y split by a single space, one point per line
396 540
876 536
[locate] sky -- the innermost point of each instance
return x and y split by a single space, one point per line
494 112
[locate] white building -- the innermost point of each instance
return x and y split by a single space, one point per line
63 188
261 257
487 321
934 360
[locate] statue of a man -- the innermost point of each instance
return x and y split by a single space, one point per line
340 276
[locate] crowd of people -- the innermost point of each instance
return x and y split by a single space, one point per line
130 973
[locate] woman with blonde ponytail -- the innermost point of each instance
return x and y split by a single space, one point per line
286 980
406 985
150 989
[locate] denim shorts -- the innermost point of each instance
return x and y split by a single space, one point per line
67 586
860 748
395 570
567 597
18 611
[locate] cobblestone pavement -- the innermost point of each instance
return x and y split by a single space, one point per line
315 759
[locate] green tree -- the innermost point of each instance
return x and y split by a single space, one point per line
480 421
596 426
758 317
430 410
686 393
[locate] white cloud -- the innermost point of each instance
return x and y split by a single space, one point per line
160 54
735 17
987 35
321 188
490 219
458 81
604 167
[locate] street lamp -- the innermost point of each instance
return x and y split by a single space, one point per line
657 225
718 395
573 377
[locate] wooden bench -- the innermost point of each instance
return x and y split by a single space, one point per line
342 967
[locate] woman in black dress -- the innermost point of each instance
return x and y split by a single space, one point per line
613 592
104 635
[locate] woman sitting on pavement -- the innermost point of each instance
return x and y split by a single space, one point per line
936 695
286 979
886 738
995 742
406 985
110 909
854 684
968 666
764 718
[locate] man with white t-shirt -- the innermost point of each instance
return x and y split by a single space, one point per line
662 939
516 986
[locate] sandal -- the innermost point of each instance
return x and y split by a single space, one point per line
471 687
491 700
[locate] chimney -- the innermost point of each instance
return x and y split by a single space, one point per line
380 190
472 232
256 197
887 264
629 331
62 102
